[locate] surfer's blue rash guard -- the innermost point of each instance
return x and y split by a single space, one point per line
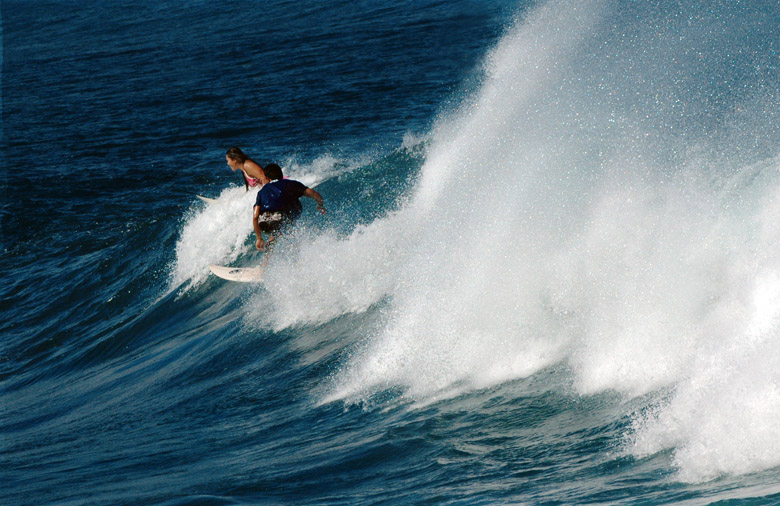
281 196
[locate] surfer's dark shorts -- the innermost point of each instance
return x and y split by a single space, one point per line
271 221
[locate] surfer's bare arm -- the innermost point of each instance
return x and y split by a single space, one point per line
259 244
317 197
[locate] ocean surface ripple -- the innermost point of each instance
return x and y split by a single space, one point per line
548 274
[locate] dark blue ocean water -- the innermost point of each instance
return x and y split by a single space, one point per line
548 274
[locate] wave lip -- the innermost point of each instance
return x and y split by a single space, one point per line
561 218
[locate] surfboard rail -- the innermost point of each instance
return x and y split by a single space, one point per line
240 274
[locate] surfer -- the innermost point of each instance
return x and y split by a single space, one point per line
277 204
254 175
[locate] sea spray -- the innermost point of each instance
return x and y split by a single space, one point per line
722 417
213 233
314 279
472 306
605 202
589 206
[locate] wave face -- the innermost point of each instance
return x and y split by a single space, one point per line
549 271
593 204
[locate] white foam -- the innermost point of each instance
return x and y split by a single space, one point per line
471 306
322 168
213 233
557 221
589 206
315 279
722 417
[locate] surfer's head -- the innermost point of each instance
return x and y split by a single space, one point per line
273 172
235 158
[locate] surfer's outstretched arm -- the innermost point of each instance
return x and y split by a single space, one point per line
317 197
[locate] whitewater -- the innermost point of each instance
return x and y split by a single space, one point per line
558 221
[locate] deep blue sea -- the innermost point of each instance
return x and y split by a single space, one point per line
549 272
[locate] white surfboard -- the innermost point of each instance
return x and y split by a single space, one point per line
206 199
241 274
